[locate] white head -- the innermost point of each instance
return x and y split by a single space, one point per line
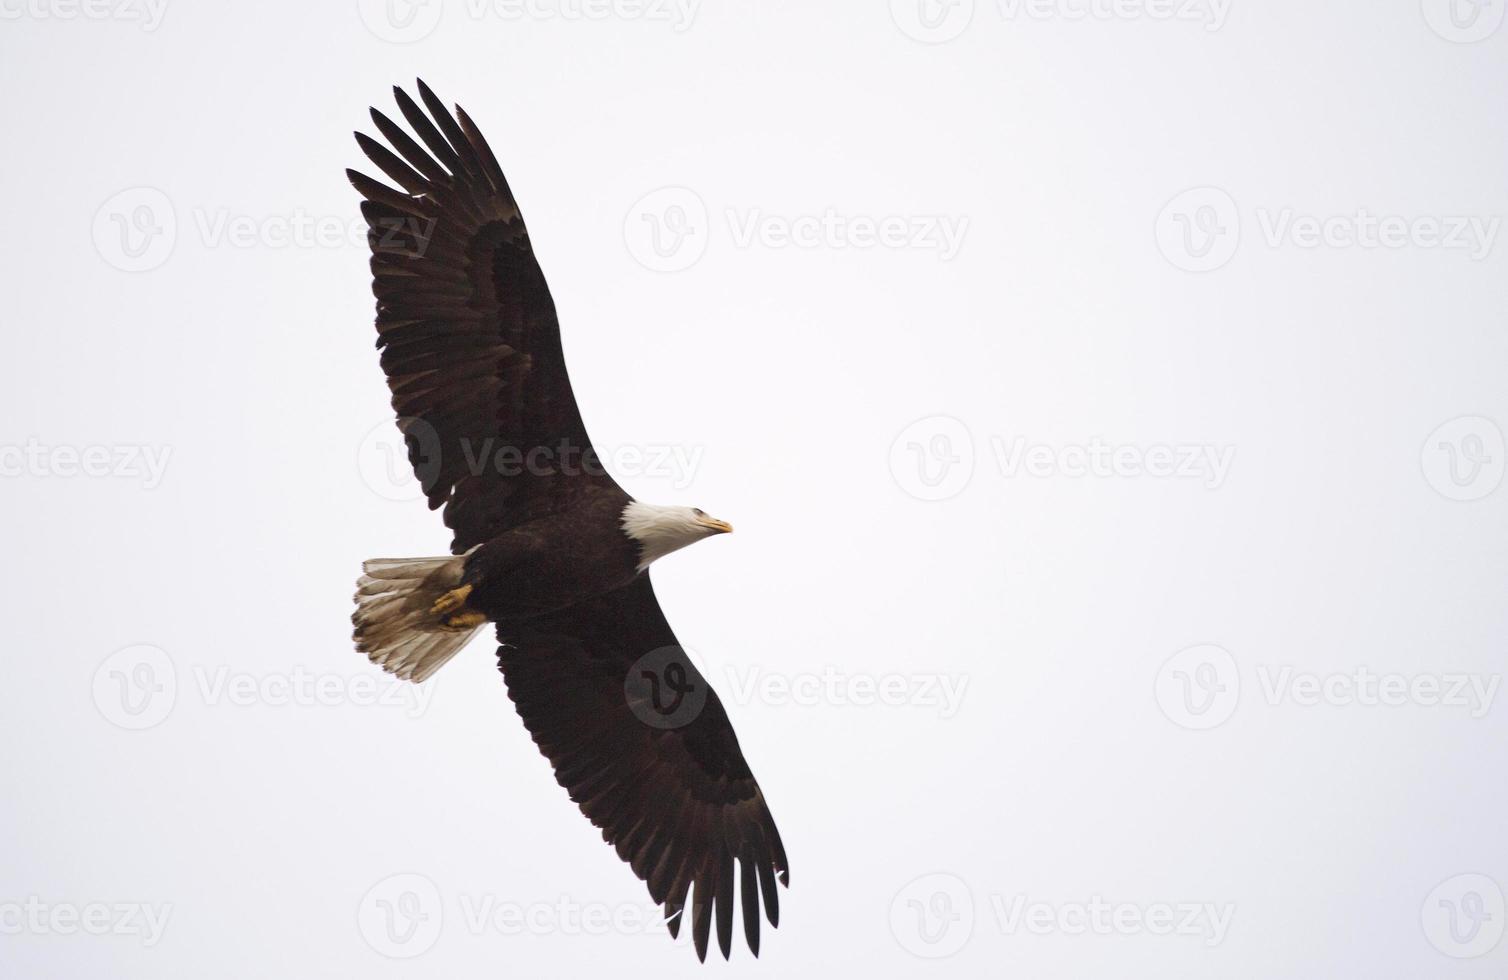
661 530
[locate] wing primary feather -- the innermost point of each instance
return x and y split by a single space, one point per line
426 130
749 901
453 134
405 176
674 913
767 888
701 912
676 857
725 891
375 190
484 152
409 150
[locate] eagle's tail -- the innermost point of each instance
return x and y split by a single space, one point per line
411 616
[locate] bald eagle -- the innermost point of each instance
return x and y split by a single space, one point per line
547 547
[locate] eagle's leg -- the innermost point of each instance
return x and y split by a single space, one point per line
451 601
467 619
453 612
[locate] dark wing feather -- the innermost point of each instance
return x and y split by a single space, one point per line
467 328
644 747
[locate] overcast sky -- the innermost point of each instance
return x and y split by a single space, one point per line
1109 397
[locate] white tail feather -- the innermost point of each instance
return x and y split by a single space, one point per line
395 625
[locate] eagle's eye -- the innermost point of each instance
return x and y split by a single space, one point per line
698 512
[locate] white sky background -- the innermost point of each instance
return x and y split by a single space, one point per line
1329 838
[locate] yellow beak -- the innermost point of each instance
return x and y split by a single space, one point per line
718 527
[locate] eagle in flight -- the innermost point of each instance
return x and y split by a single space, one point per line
547 547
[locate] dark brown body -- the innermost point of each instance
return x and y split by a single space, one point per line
554 561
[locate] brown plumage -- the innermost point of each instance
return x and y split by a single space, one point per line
471 349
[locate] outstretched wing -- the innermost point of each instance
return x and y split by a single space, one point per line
467 328
642 744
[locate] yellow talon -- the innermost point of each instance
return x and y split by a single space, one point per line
451 601
469 619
